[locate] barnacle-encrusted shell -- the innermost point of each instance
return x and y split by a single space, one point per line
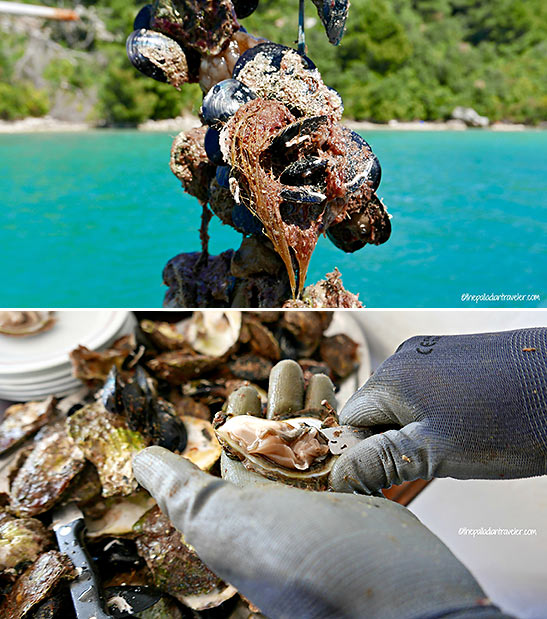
313 475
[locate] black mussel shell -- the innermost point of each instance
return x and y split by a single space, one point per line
244 8
289 137
137 43
142 380
116 554
223 176
165 428
333 14
302 195
306 171
244 221
364 168
212 147
223 101
273 51
135 405
143 18
369 225
112 392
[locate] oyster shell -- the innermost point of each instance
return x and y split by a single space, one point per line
37 583
175 566
22 540
292 451
46 473
213 333
109 444
22 420
203 448
21 324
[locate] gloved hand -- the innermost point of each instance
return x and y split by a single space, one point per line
303 554
297 553
470 407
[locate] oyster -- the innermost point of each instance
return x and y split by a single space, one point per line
109 444
292 451
95 365
22 420
37 583
46 473
203 448
21 541
213 333
20 324
175 566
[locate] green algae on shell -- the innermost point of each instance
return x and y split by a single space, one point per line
22 540
109 444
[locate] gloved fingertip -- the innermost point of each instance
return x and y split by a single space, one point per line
153 465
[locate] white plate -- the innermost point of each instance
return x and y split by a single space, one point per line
92 329
39 395
57 382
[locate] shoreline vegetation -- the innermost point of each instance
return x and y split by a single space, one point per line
184 123
399 59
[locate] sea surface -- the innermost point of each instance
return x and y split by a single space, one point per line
90 219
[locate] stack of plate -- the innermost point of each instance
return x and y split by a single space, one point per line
36 366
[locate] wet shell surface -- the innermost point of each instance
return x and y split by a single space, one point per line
291 451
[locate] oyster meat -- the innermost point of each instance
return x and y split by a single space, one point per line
292 451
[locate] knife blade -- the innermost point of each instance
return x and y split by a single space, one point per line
69 526
341 438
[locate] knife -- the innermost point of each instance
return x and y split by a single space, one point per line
69 526
342 438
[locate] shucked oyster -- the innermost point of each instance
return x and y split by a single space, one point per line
292 451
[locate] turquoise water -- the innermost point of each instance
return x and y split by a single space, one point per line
89 220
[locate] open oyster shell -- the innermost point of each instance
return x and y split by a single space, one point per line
292 451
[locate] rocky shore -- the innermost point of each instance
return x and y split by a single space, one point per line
186 122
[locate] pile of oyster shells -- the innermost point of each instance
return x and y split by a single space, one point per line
162 385
271 158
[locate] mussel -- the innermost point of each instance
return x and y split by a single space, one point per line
362 164
143 18
223 101
369 225
144 410
157 56
244 8
212 147
274 52
333 15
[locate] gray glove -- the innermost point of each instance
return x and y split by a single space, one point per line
470 406
298 553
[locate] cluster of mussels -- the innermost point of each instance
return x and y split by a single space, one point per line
162 385
271 159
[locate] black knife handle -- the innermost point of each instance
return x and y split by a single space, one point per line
85 589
